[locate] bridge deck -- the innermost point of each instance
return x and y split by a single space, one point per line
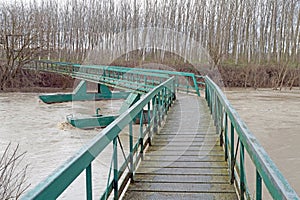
185 160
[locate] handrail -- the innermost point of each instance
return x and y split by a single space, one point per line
177 74
69 69
266 170
161 98
138 81
173 73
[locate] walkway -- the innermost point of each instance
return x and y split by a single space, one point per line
185 160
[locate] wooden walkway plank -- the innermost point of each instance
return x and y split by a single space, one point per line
185 160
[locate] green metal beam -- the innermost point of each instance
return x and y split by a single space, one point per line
113 73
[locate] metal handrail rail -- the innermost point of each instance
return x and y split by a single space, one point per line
158 73
161 97
266 170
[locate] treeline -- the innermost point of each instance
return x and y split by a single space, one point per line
233 31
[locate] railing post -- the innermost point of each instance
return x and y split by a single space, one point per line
168 99
116 171
226 137
258 186
174 89
162 104
232 152
187 86
165 101
206 93
149 123
141 140
154 105
149 113
131 151
212 102
196 85
221 123
159 109
213 107
217 113
88 178
217 116
242 171
177 82
208 97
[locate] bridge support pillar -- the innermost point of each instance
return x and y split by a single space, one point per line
103 89
80 94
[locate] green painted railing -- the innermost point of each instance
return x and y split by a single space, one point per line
224 117
160 99
122 77
132 80
185 81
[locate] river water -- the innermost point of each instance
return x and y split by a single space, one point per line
42 131
274 118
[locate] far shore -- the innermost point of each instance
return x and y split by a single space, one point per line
69 90
38 90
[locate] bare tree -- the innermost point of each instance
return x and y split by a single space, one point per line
19 40
12 174
233 31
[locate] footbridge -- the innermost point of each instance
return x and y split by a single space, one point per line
185 140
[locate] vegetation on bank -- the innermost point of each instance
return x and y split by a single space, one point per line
251 43
268 75
275 76
33 81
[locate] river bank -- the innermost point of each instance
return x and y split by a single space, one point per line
243 75
37 90
31 81
275 76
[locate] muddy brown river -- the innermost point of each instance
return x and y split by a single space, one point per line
42 131
274 118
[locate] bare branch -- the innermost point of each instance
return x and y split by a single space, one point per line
12 174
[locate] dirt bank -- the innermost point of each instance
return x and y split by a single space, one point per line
31 81
260 76
256 76
274 76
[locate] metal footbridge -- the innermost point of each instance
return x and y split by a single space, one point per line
181 145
